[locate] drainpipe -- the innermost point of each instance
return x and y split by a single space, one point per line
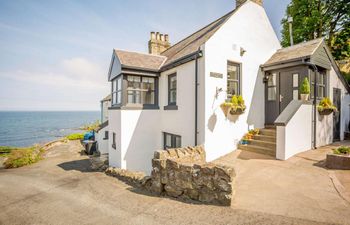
199 54
315 96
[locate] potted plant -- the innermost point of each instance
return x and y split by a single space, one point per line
305 90
235 107
326 107
246 138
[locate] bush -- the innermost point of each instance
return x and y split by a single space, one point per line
91 126
77 136
24 156
342 150
305 87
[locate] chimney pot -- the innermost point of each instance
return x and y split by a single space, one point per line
158 43
157 36
153 35
161 37
166 37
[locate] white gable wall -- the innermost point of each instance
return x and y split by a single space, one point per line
324 129
250 29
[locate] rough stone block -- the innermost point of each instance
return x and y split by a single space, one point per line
173 190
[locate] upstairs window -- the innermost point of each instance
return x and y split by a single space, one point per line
321 85
233 79
171 140
117 91
172 89
140 90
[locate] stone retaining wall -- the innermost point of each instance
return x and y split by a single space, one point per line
184 173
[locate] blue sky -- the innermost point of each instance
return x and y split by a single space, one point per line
54 55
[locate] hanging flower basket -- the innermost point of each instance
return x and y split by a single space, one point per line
325 112
236 111
235 107
326 107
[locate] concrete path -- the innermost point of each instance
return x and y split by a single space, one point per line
300 187
63 190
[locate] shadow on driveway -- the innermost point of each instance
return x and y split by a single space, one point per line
83 165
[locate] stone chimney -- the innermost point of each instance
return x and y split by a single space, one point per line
240 2
158 43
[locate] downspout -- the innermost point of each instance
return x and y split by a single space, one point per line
199 54
315 97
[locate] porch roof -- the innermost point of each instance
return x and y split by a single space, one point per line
295 52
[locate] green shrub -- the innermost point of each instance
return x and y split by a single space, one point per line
24 156
305 87
77 136
342 150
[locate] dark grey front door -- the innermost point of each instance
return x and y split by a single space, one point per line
286 89
336 115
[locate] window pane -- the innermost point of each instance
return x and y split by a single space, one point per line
272 80
295 80
148 97
119 85
177 142
119 97
320 79
148 83
114 97
168 140
232 88
134 82
271 94
114 86
320 92
173 81
232 71
295 94
172 96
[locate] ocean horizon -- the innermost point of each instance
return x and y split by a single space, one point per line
26 128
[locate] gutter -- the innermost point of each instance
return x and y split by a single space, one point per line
315 97
197 55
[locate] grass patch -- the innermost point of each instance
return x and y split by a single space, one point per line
342 151
91 126
76 136
23 156
5 150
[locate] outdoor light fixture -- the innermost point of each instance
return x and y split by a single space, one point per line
266 77
243 51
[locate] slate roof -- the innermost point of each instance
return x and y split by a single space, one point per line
183 48
140 60
191 44
298 51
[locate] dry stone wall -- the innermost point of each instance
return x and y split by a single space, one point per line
184 173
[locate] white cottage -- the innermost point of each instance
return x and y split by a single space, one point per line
171 97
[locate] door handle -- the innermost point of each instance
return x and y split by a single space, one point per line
281 98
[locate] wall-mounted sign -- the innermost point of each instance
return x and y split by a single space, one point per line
216 75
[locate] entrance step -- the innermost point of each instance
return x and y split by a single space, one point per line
268 132
265 138
258 149
265 144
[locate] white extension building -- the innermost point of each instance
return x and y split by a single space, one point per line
171 97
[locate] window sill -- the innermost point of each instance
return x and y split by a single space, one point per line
171 107
135 107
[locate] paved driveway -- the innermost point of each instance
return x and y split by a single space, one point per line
63 190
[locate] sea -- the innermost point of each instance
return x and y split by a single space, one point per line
22 129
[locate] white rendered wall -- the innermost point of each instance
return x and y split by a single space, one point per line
249 28
138 136
102 143
296 136
324 130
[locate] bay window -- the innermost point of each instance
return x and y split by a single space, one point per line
135 92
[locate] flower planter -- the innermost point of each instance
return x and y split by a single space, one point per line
304 97
225 109
236 112
340 162
325 112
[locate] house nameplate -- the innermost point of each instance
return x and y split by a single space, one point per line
216 75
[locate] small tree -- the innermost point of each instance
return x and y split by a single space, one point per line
305 87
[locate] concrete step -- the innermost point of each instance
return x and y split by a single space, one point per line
268 132
258 149
264 138
261 143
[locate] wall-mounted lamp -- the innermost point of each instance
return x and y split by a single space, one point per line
266 77
218 90
243 51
